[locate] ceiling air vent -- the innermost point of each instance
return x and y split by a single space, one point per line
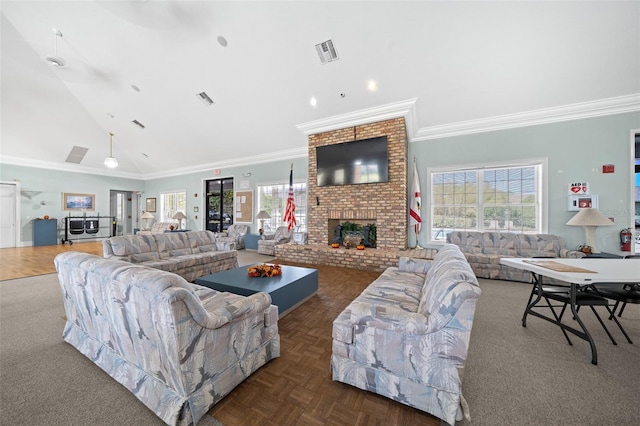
76 155
327 51
204 98
139 124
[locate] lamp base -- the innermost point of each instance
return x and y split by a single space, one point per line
590 234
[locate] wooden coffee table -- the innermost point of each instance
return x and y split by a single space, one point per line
288 291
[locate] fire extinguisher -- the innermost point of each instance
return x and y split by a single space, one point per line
625 240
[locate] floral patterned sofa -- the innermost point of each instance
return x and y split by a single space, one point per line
178 347
234 234
190 254
157 228
406 336
267 243
484 250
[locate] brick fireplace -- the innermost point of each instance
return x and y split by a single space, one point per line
384 204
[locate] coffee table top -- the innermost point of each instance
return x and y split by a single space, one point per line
239 278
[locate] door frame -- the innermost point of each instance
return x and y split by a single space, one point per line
17 211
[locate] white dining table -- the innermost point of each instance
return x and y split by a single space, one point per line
579 274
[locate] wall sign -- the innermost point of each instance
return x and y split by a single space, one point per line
578 188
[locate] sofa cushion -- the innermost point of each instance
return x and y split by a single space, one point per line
417 266
394 288
173 244
133 244
143 257
532 245
501 243
468 241
201 239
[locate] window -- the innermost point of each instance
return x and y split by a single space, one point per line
170 204
506 198
273 199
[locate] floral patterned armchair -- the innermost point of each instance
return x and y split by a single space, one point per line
267 245
234 234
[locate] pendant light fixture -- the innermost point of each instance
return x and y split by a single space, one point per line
111 161
55 60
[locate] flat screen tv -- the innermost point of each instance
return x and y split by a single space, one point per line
356 162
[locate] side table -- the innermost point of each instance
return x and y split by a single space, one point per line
251 241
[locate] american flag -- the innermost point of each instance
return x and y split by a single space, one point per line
415 218
290 211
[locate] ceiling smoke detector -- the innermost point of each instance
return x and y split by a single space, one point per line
327 51
55 60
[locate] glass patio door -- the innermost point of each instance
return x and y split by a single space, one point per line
219 204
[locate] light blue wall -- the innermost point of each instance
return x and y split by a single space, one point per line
46 186
576 151
266 173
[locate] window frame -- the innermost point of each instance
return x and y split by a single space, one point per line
541 187
161 209
277 219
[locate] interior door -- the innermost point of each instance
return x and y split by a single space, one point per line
9 227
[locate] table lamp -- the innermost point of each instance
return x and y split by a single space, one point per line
590 219
179 216
146 216
262 215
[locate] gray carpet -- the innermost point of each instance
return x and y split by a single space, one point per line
513 375
531 376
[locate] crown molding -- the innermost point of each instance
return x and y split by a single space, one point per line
64 167
289 154
235 162
406 109
599 108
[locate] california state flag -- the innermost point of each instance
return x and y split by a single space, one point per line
414 212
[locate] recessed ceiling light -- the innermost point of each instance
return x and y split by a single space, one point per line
222 41
372 85
313 101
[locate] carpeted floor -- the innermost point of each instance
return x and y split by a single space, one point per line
530 375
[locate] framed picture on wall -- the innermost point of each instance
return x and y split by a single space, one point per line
78 201
151 205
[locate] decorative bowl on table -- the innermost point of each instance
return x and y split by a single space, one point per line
265 270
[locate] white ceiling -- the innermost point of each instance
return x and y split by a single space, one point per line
456 61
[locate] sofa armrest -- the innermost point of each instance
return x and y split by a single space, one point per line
256 304
571 254
225 245
362 315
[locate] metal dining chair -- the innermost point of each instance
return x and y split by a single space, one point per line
583 298
622 294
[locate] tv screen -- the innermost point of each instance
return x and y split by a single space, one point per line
356 162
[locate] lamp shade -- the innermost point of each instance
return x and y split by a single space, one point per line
179 216
590 219
262 214
147 215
